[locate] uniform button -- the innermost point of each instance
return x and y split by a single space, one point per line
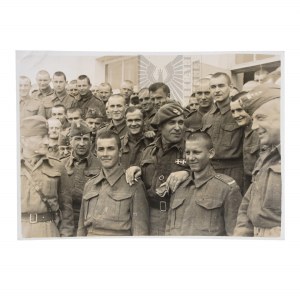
161 177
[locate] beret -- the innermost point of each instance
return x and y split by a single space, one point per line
63 140
167 112
79 128
260 95
35 125
93 114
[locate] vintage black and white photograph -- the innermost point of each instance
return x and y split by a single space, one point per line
149 144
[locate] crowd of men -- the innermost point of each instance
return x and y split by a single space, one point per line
134 161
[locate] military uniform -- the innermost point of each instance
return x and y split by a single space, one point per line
120 129
31 107
41 95
193 120
50 176
111 207
227 138
54 151
148 117
132 150
207 206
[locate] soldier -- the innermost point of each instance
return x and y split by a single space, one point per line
54 127
133 142
59 96
260 75
43 81
226 135
105 91
251 144
193 103
81 165
59 112
95 90
116 109
87 99
28 106
159 94
260 211
206 203
73 89
126 90
74 114
64 146
204 96
46 203
109 205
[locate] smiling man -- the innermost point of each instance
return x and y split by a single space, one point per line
109 205
260 211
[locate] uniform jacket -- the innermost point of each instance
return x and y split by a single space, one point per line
120 130
227 136
147 120
204 207
111 207
31 107
194 120
39 95
261 205
50 175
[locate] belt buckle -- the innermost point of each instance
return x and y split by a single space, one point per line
163 205
33 220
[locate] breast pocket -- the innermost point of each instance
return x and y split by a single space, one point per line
49 183
177 212
89 202
228 131
208 214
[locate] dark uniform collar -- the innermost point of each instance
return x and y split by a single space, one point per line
47 91
87 159
86 97
111 178
178 146
61 96
118 127
224 107
151 113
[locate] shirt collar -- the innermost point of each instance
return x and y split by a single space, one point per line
112 178
44 158
47 91
210 173
86 159
61 96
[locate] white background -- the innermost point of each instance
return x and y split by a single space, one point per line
149 268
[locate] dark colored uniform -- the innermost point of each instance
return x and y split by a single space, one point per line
227 138
31 107
260 210
54 151
157 164
120 129
49 175
207 206
80 171
132 150
111 207
148 116
193 120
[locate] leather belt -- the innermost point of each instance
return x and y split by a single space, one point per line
36 218
161 205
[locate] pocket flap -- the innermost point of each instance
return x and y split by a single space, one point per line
205 127
51 173
91 172
230 127
177 202
254 148
119 196
209 202
147 161
90 195
276 168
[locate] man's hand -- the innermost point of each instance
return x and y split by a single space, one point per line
132 174
149 134
176 178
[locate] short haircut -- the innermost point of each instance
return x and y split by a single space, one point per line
43 72
74 81
115 96
60 105
128 82
82 77
59 73
193 95
142 90
74 109
50 120
25 78
109 135
261 71
238 96
105 84
157 85
219 74
132 109
197 136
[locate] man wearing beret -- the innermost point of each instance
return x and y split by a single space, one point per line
226 135
46 203
260 211
161 158
81 165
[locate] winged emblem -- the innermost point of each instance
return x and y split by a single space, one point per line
170 74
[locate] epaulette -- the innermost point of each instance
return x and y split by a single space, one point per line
90 178
54 158
226 179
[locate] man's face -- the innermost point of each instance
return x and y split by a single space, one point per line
58 113
95 90
204 96
159 98
59 83
64 151
145 101
93 123
194 104
24 87
172 130
116 108
43 81
135 122
73 90
260 77
126 90
220 88
108 152
83 87
54 129
35 145
104 93
81 144
239 114
197 155
266 122
73 116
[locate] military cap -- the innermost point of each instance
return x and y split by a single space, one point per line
35 125
63 140
79 128
167 112
260 95
93 114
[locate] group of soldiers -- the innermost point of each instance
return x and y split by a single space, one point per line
98 162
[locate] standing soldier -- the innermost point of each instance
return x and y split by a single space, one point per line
54 127
260 211
73 89
126 90
43 81
46 202
105 91
81 165
159 94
